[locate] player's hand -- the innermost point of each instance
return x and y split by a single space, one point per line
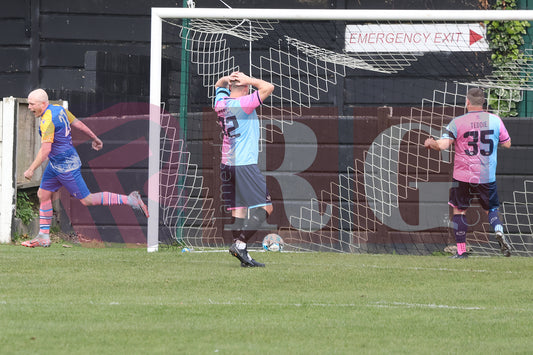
97 144
233 76
239 78
429 142
28 174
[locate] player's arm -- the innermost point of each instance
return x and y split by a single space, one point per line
506 144
223 82
504 139
42 155
264 88
97 143
438 144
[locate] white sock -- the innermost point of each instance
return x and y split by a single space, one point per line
240 244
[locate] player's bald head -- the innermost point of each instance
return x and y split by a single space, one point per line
38 95
238 90
38 102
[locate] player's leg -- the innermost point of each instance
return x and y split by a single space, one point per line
494 221
488 197
253 192
238 217
256 217
46 212
229 201
75 184
49 184
250 191
460 201
106 198
239 247
259 202
460 228
232 201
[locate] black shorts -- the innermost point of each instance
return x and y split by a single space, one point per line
243 186
462 193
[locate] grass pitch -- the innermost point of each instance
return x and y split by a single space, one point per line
127 301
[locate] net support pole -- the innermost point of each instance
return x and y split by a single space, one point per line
154 135
184 75
184 104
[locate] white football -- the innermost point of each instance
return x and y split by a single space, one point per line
274 247
273 242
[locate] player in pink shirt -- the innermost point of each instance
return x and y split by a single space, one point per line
476 137
244 188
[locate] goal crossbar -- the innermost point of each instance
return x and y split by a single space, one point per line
344 15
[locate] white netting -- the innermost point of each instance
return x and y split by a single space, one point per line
388 64
301 72
306 74
518 225
187 212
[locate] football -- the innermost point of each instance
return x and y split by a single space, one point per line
273 242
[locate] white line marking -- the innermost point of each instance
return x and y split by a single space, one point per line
421 305
211 302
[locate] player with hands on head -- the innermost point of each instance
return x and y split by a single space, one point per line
64 165
244 188
476 136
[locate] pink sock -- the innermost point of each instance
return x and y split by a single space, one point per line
109 198
45 218
461 248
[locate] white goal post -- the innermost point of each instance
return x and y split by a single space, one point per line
159 14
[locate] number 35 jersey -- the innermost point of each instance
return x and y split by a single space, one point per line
55 129
240 126
476 137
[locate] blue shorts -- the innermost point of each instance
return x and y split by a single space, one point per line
462 193
243 186
71 180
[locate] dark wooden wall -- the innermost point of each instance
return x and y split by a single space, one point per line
96 53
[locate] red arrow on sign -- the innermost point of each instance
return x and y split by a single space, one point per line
474 37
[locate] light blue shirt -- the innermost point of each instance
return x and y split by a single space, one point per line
241 127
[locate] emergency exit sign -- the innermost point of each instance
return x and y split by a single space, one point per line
416 38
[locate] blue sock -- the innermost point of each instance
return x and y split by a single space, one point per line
495 222
459 228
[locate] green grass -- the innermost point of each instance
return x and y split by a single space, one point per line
127 301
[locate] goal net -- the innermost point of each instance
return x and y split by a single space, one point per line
356 94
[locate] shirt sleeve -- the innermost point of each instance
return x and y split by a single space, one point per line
504 135
221 93
250 102
47 128
450 132
70 116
